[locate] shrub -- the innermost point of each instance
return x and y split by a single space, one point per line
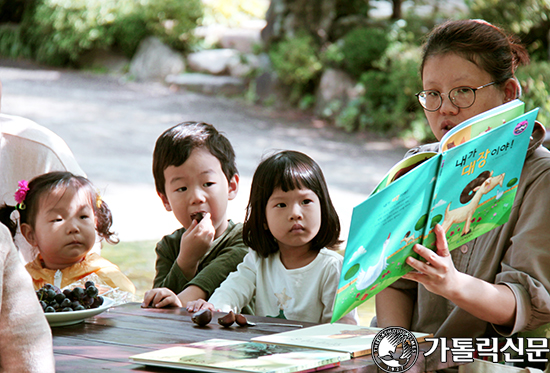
11 42
171 20
388 105
58 31
296 63
63 29
361 48
535 82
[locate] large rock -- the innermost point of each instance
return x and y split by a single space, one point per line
154 61
244 65
212 61
335 86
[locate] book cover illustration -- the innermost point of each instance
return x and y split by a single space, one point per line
353 339
468 189
220 355
460 134
481 123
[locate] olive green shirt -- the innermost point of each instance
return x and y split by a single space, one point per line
226 252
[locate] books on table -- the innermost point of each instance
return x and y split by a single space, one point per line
354 340
221 355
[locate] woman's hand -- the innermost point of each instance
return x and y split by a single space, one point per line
160 297
198 305
438 274
493 303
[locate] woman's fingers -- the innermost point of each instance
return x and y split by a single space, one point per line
441 241
430 259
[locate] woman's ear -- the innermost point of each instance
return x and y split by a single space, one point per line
512 89
28 233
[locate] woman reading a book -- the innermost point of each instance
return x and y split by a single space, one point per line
499 283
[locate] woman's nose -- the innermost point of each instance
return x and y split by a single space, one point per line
447 106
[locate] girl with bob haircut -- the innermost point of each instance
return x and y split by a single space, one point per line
290 224
59 215
288 171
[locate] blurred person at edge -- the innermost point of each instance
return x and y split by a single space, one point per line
25 336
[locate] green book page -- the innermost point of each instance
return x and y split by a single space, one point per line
383 230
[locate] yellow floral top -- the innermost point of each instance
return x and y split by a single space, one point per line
92 263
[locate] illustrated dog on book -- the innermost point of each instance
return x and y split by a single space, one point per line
472 193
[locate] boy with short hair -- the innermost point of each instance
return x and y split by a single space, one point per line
195 177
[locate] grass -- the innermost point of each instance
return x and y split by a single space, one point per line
137 261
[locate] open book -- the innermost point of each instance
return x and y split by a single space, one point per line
221 355
353 339
468 187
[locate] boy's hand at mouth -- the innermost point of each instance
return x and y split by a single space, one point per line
195 243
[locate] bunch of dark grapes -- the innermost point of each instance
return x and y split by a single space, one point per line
52 299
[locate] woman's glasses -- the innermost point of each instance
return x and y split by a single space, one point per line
461 97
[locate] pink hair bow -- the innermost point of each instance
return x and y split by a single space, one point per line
21 194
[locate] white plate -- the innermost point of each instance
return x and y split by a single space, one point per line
70 318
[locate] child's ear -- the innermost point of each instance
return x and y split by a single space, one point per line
28 233
165 201
233 187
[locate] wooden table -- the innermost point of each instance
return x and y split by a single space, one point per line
104 342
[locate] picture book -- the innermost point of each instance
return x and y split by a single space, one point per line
353 339
465 131
222 355
468 189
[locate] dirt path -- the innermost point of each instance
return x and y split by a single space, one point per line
111 126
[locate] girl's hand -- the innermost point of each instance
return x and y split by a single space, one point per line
198 305
438 274
160 297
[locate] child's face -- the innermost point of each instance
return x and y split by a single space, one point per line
293 217
199 185
64 229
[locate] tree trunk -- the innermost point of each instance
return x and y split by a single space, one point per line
396 9
319 18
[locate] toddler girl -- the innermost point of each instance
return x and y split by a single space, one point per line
59 215
290 222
